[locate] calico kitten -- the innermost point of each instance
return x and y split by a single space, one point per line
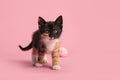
46 40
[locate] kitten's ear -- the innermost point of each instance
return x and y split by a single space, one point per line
59 20
41 21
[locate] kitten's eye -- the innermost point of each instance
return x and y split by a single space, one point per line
55 31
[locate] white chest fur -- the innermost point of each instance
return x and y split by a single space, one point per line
50 44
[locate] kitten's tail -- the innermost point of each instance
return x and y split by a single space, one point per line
26 48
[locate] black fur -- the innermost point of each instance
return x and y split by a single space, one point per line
53 28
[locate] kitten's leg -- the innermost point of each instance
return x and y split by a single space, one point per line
55 57
40 59
34 56
55 60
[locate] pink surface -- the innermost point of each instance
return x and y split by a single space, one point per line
91 35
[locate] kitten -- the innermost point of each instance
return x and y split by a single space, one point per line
46 40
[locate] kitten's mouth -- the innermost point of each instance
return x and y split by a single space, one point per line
49 38
52 38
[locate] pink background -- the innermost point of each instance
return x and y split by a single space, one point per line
91 35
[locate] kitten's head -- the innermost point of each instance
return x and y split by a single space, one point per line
50 29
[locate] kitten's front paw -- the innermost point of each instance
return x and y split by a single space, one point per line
38 65
56 67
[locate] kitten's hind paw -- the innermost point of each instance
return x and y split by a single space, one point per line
38 65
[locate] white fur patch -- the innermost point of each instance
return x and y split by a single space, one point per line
50 44
56 67
45 60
